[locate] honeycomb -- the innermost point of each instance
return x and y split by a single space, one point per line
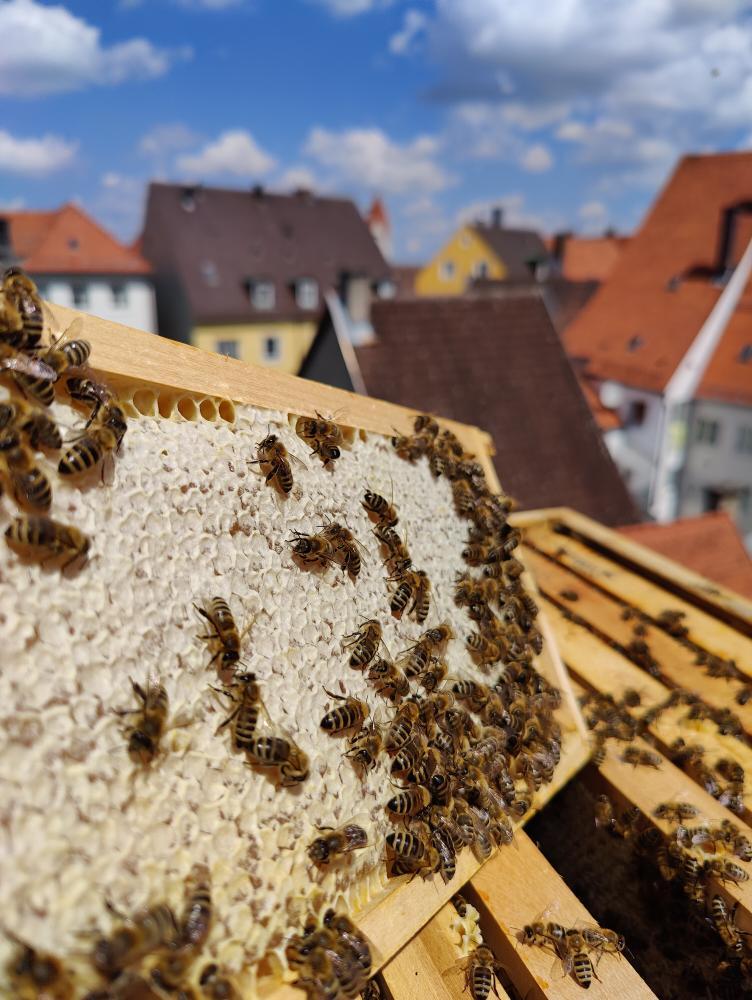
188 517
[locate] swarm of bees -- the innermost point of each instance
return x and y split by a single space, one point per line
573 946
33 373
152 953
332 959
693 858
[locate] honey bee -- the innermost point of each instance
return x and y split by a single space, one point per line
193 930
295 769
346 546
215 985
274 460
365 748
58 359
410 845
324 437
146 732
224 632
37 975
637 756
433 676
23 299
350 939
336 843
604 814
484 650
402 726
460 904
350 715
94 394
372 991
480 974
313 549
41 536
366 642
280 752
476 695
29 485
389 680
581 968
676 811
413 588
245 716
40 430
446 853
148 931
409 801
381 509
32 375
424 423
725 925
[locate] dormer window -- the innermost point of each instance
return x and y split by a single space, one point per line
634 344
745 355
307 293
73 243
262 294
210 273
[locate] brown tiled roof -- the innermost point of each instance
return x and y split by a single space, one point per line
216 240
498 363
709 545
403 276
68 241
642 320
591 258
519 249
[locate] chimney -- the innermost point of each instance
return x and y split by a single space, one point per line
724 264
257 190
7 257
497 217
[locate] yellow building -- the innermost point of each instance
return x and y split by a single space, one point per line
245 273
481 251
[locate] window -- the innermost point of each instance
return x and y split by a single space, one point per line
307 293
744 440
119 295
228 347
80 296
262 295
446 270
745 355
480 269
634 343
386 289
271 349
636 413
706 432
73 243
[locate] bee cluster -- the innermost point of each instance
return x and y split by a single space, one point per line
692 858
332 958
573 946
151 954
34 370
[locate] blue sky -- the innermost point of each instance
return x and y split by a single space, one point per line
568 113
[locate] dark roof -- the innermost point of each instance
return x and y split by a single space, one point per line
497 362
519 249
325 361
216 240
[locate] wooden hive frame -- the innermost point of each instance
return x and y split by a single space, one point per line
410 929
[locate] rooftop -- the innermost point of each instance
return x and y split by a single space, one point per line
587 258
519 249
709 544
68 241
640 323
218 241
497 362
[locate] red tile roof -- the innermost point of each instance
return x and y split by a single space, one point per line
642 320
68 241
496 361
728 377
591 258
607 420
377 213
709 544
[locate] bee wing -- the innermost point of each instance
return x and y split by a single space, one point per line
71 332
296 460
562 967
34 367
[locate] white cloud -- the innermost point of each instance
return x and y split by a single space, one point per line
349 8
12 205
369 158
162 140
537 159
298 177
210 4
642 160
594 217
49 50
35 157
401 42
233 152
118 203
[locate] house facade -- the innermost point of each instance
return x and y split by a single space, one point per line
245 273
666 343
76 263
482 252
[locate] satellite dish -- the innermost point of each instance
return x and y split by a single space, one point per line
612 395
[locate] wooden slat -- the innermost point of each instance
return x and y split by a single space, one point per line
677 663
708 632
647 787
132 357
515 887
598 667
431 966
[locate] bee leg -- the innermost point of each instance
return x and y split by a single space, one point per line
227 721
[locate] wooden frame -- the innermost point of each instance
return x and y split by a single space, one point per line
131 360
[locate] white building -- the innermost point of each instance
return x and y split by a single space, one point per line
76 263
666 342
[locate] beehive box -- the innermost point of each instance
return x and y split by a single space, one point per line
188 517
